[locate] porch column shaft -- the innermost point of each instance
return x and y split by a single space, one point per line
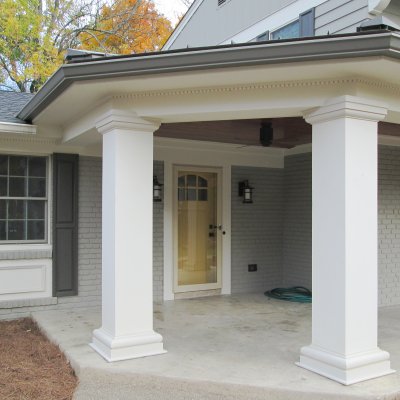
127 294
344 184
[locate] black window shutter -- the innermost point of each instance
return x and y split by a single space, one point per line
307 23
65 224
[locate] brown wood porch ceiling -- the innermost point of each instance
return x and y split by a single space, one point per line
288 132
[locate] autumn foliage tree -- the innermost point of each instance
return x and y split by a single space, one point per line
34 34
128 26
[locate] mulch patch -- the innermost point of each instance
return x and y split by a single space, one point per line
30 366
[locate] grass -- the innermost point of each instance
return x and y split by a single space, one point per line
30 366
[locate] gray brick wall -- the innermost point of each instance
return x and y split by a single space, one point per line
89 236
158 239
389 225
296 246
257 230
297 223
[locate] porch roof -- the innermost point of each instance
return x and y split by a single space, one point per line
382 44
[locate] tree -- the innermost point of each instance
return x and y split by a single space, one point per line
34 34
127 26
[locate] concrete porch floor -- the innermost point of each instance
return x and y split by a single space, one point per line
227 347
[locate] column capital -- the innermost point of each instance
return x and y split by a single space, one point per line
119 119
347 107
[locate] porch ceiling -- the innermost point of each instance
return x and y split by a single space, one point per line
288 132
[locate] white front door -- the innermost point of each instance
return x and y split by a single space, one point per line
198 229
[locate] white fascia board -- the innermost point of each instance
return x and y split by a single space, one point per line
186 18
216 154
18 129
274 21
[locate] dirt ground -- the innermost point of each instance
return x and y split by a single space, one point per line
30 366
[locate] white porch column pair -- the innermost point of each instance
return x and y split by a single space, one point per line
127 229
344 256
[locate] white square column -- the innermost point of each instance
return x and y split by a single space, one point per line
344 240
127 237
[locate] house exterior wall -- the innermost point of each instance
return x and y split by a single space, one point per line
389 225
297 229
297 268
340 16
158 239
89 248
274 232
245 24
223 21
257 230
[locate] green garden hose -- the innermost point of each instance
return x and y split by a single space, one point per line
297 294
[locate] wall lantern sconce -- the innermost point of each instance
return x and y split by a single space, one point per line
246 191
157 189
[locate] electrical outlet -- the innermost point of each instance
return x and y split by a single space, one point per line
252 267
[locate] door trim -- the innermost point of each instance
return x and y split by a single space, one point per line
198 287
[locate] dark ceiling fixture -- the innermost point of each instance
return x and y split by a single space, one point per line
266 134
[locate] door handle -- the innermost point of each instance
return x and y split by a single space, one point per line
219 227
215 227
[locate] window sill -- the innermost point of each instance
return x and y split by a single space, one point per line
25 246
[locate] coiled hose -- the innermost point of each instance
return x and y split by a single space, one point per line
297 294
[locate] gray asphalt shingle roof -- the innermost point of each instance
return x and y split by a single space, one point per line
11 103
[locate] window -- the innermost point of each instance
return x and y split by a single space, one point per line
192 188
288 31
23 198
302 27
264 36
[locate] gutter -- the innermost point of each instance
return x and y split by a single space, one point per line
370 44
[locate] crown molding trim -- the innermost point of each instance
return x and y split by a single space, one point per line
260 86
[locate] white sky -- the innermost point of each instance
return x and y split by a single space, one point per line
172 9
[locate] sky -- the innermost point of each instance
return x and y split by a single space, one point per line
172 9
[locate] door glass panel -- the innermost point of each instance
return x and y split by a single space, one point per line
197 235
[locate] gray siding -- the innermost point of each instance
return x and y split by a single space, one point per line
257 230
340 16
211 24
296 267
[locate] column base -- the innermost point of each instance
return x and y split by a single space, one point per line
345 370
126 347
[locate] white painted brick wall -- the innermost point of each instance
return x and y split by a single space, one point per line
257 230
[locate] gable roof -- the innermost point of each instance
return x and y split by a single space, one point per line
11 103
182 23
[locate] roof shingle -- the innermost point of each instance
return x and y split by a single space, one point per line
11 103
